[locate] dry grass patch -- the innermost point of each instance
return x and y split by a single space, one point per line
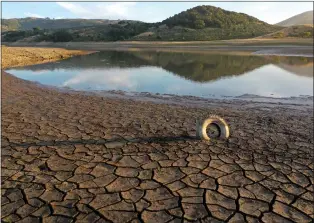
22 56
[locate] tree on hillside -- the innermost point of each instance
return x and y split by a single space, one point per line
307 34
62 36
36 30
199 24
278 35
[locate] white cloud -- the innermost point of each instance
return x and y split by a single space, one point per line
106 10
75 8
29 14
117 8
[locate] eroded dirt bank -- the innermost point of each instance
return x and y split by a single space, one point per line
68 156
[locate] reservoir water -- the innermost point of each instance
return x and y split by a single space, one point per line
197 74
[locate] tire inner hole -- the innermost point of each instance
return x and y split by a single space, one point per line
213 130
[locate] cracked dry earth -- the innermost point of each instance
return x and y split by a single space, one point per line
72 157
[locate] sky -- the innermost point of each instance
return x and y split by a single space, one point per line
270 12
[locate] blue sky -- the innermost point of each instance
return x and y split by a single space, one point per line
271 12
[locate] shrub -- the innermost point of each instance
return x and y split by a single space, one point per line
307 34
278 35
61 36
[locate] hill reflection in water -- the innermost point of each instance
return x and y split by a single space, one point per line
142 71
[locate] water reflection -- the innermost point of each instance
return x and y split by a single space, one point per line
198 74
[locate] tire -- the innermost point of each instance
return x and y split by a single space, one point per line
222 125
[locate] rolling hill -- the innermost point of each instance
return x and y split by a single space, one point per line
210 17
208 23
305 18
197 24
47 23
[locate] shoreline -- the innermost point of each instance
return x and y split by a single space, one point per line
287 47
297 102
231 42
246 101
300 103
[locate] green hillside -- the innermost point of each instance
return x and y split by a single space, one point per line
123 30
47 23
197 24
211 17
178 33
208 23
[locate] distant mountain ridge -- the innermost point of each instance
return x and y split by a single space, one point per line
47 23
305 18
